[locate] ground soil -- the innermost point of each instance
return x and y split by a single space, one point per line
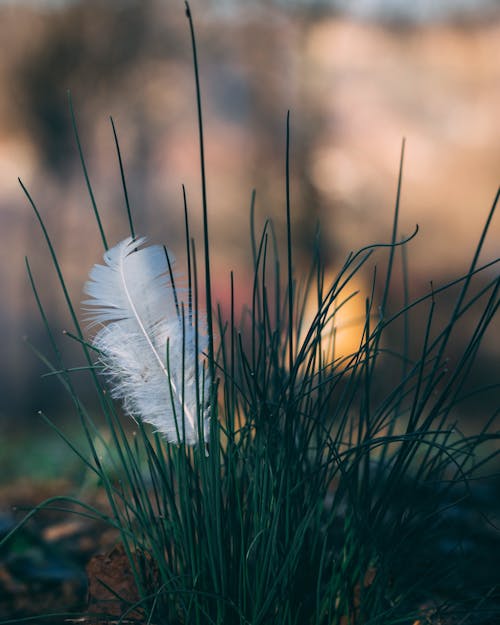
50 566
72 567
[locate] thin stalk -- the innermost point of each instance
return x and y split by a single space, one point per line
289 247
124 182
85 172
208 281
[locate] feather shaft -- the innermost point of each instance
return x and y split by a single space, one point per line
152 347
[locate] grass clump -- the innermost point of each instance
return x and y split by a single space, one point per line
323 495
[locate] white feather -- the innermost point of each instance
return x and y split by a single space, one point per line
144 341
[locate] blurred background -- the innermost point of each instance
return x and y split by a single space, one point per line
357 75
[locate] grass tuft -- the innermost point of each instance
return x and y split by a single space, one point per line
328 491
